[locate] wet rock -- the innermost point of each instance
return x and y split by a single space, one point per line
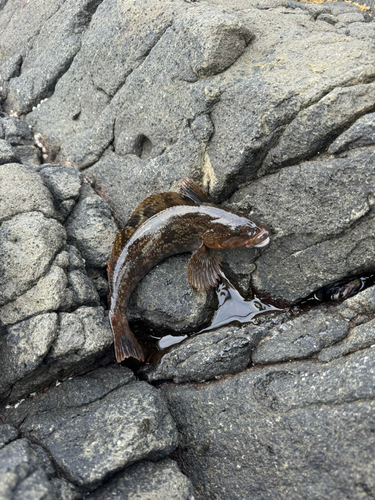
21 474
300 338
206 356
132 423
166 300
91 229
22 190
361 133
148 480
47 295
310 217
24 347
28 244
292 419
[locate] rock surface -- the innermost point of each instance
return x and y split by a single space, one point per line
131 423
149 481
269 106
292 419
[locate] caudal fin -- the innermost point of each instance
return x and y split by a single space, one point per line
126 345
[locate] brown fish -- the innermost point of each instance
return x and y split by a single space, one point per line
167 224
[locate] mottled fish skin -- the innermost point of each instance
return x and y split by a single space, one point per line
188 226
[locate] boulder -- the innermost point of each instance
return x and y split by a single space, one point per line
291 430
148 481
132 423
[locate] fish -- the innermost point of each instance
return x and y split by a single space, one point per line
167 224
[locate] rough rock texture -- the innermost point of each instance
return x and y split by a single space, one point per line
91 230
300 338
21 474
269 105
321 221
148 481
28 244
88 454
207 355
165 299
290 431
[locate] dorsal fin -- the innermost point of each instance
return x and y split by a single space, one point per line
150 206
153 205
191 191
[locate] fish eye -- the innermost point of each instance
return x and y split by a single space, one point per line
236 232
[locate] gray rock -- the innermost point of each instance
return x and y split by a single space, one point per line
75 259
362 303
63 182
311 130
114 175
361 133
272 432
24 347
300 338
63 489
70 337
59 36
28 244
17 132
21 475
47 295
28 155
321 223
131 423
202 128
148 481
91 229
7 153
22 190
83 389
7 434
84 292
10 68
360 337
80 340
207 356
82 336
166 300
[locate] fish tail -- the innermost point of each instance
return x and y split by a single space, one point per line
126 345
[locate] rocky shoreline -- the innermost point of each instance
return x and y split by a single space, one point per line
270 107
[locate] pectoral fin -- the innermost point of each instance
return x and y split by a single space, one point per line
204 268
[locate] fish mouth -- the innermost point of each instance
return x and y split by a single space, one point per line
261 240
263 243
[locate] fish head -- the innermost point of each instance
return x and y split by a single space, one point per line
247 234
